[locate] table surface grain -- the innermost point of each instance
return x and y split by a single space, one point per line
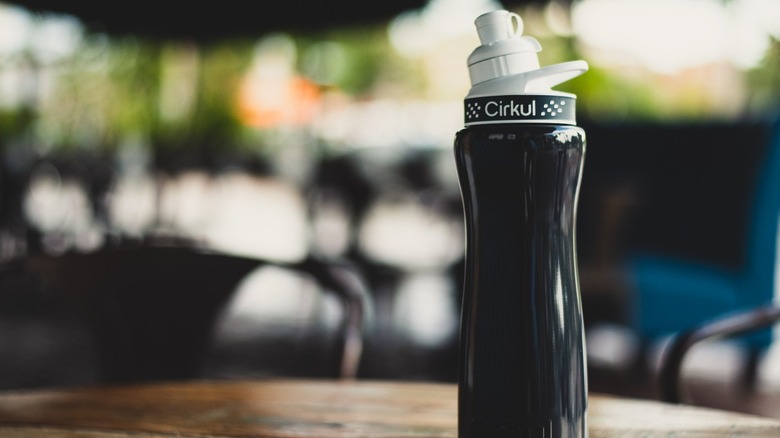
282 408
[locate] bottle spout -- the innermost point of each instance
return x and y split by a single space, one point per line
549 76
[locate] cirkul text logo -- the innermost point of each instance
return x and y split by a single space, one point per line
510 109
514 109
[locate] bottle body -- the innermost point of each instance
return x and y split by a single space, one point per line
522 369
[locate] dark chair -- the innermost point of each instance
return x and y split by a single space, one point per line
152 309
726 326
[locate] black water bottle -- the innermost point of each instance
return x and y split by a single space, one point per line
519 161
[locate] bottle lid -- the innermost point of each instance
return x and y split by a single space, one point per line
507 82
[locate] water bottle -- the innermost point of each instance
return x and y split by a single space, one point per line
519 161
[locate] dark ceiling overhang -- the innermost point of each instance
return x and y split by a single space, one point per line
211 20
214 20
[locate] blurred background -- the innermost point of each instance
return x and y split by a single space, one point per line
300 131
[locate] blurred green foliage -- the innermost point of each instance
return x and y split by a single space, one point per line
181 97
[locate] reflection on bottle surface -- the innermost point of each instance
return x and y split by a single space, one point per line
522 370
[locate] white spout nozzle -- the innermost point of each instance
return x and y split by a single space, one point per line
498 25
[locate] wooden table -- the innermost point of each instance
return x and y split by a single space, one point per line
318 409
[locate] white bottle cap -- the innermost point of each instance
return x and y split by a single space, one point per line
507 83
506 54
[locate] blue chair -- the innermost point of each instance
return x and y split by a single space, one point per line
673 294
